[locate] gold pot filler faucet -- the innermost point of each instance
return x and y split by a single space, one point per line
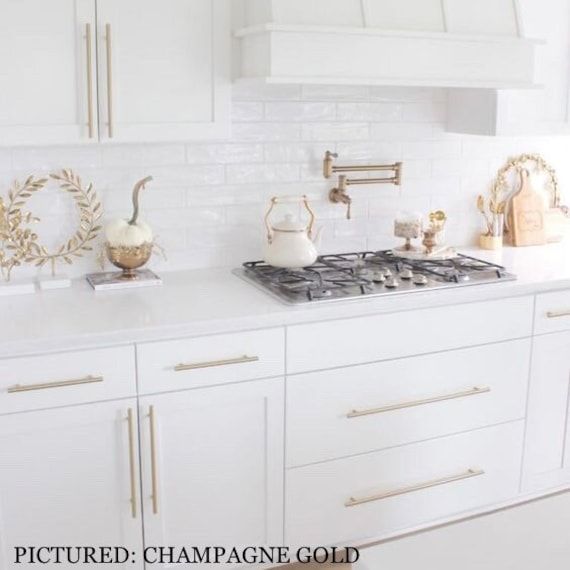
339 195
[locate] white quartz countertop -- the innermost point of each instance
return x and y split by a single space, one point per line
211 301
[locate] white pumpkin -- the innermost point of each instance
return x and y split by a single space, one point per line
133 232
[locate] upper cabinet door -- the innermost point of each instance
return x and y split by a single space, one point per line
47 71
163 69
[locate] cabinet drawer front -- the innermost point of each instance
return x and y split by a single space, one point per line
204 361
552 312
346 411
359 340
63 379
368 496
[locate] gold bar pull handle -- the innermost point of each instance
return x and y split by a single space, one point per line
413 403
58 384
132 465
109 53
153 459
214 363
558 314
89 52
469 474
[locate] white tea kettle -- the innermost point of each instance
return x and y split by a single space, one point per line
290 243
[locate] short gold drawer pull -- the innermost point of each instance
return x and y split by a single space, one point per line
558 314
132 466
213 363
47 385
470 473
413 403
153 460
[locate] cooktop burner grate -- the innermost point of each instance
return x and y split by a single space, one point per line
368 273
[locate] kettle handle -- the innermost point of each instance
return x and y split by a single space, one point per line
285 200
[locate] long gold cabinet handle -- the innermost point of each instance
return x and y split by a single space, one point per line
213 363
413 403
558 314
469 474
132 464
153 459
109 53
59 384
89 52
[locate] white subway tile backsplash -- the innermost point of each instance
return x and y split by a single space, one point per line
373 112
335 131
142 155
243 111
300 112
208 199
221 153
297 152
259 173
266 132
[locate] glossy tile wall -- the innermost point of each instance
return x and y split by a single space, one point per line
208 199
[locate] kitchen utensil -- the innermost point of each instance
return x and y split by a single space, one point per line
290 243
527 214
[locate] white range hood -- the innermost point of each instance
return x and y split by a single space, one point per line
443 43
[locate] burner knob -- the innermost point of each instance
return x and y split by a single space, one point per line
392 283
406 274
420 280
378 277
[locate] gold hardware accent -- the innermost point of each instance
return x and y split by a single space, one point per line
414 403
132 468
213 363
153 460
558 314
340 195
89 43
470 473
108 39
288 199
59 384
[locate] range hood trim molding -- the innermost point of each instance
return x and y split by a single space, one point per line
411 34
295 54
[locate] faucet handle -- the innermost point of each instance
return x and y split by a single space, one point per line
328 163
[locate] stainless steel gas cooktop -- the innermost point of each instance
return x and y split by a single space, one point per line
368 274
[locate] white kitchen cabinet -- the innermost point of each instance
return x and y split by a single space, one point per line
212 464
163 69
65 479
47 55
540 111
102 70
547 450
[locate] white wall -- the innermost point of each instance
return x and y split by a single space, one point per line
207 201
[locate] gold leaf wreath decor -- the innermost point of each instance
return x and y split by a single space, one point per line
22 242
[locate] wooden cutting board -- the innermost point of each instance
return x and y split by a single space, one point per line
528 211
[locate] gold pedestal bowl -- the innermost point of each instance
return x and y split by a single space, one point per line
129 258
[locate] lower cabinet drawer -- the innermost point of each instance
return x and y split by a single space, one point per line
552 312
67 378
368 496
346 342
209 360
346 411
